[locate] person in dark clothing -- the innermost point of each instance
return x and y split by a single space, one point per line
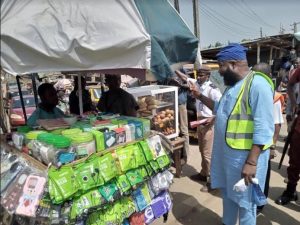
74 99
117 100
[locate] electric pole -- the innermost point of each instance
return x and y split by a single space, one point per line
294 25
196 18
261 33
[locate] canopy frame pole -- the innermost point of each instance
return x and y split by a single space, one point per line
80 95
33 79
21 97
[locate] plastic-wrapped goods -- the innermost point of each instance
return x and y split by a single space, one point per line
120 135
109 138
126 158
107 167
7 161
156 146
18 140
8 176
158 207
134 177
32 193
85 202
11 197
109 191
161 182
123 184
149 215
88 175
139 132
99 138
84 144
51 147
62 184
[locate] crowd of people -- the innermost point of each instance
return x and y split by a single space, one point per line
237 130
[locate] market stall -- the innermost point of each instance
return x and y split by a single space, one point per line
103 169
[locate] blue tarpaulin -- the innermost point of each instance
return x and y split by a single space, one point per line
171 39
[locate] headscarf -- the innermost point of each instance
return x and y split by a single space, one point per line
233 51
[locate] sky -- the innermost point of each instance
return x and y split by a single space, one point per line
234 20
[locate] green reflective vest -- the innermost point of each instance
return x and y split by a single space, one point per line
239 131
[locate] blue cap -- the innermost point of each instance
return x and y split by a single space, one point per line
233 51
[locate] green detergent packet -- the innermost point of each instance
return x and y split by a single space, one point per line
123 183
109 191
139 156
99 138
111 216
163 161
96 218
88 175
134 177
86 202
149 169
154 165
146 193
143 171
126 158
107 167
146 149
128 207
63 184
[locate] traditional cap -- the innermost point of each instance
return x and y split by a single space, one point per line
204 68
233 51
188 69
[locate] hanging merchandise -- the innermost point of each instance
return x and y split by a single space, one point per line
134 177
11 198
8 176
109 191
88 175
107 167
126 158
32 192
123 184
62 184
108 186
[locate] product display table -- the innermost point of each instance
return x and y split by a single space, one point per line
176 147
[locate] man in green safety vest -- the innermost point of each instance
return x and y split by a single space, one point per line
244 130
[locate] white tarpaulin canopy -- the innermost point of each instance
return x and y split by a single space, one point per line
72 35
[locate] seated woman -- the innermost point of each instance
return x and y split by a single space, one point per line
47 108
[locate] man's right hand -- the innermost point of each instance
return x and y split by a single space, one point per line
194 90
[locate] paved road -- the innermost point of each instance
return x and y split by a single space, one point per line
192 207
